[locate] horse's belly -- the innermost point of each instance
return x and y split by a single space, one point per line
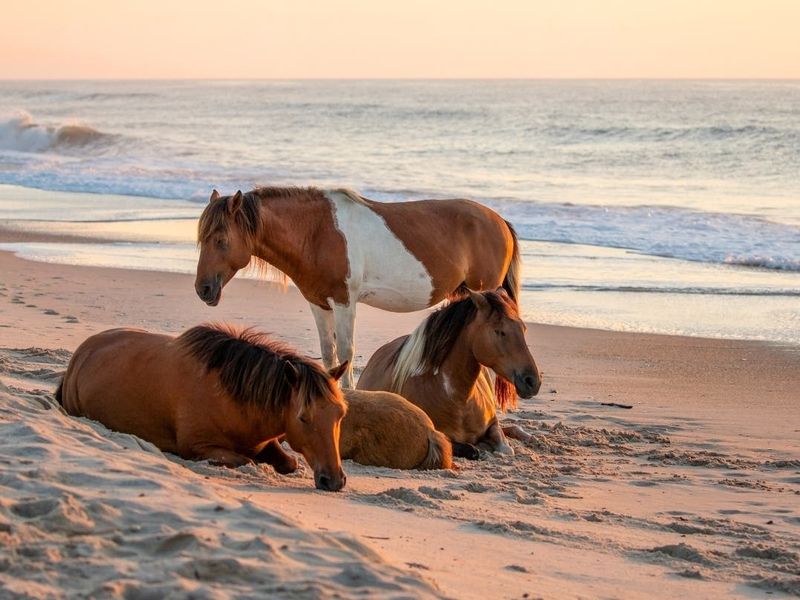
405 294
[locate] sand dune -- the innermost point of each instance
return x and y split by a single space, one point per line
88 511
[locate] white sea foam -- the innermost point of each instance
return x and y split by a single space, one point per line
19 132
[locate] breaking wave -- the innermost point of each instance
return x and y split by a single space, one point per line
20 133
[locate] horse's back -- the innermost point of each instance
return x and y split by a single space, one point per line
377 375
458 241
123 378
385 429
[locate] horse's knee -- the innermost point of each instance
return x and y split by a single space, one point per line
273 454
223 457
467 451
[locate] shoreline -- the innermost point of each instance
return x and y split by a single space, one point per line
11 234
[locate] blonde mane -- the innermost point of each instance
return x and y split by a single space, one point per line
410 358
351 195
426 349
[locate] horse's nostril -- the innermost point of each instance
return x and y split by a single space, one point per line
324 482
530 381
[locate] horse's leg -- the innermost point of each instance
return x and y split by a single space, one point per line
465 451
222 456
276 456
345 316
327 339
517 432
496 439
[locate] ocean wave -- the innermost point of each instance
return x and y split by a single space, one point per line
765 262
644 289
710 133
21 133
117 95
731 239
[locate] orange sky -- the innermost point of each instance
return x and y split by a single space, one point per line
404 38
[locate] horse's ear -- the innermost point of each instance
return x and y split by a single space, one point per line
502 291
479 300
235 202
214 196
337 372
292 374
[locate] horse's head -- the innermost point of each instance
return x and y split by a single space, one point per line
498 342
224 246
313 425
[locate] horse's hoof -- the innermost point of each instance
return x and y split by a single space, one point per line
467 451
504 449
286 467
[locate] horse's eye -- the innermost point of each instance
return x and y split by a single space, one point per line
305 420
500 332
222 244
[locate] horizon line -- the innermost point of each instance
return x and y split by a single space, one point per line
80 79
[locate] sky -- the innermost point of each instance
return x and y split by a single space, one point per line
232 39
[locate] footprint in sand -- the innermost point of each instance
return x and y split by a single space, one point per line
438 493
17 300
50 311
71 319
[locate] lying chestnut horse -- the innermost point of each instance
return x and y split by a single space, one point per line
213 393
340 249
440 368
386 430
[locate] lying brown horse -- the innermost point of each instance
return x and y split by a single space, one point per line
340 248
386 430
440 368
212 393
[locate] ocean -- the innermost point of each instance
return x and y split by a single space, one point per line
658 206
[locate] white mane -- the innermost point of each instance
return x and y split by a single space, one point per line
409 359
351 195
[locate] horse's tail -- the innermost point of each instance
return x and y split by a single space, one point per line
440 452
59 395
511 282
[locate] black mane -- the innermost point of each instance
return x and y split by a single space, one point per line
443 326
252 368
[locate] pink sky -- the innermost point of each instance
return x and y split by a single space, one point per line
409 38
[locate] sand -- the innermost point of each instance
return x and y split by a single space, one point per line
694 491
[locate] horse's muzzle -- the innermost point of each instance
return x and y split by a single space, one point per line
330 483
209 292
527 384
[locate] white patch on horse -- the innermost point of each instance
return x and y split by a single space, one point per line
448 388
382 271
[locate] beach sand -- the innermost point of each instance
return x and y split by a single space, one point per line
694 491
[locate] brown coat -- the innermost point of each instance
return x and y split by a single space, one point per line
386 430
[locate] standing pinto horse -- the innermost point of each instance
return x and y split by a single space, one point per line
340 249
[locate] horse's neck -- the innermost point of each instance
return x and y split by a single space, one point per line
460 368
288 224
271 424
